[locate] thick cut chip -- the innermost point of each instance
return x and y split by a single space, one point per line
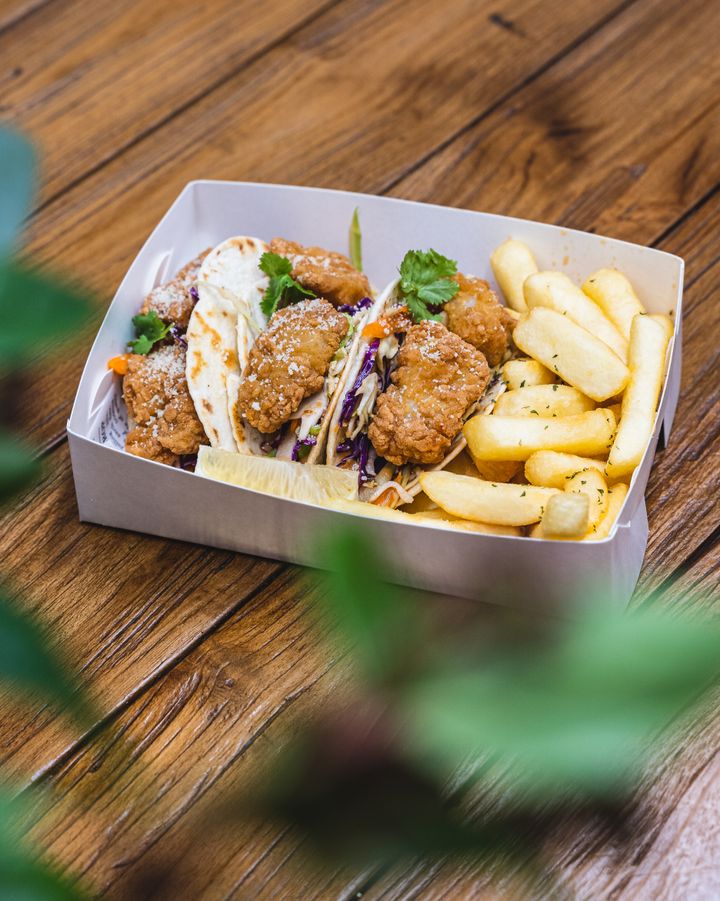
555 291
617 494
615 296
436 518
524 373
545 401
648 344
579 358
518 437
512 262
592 484
551 469
566 516
490 502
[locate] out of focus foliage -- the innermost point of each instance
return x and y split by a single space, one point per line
37 311
521 729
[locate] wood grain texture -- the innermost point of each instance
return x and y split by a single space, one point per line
601 116
104 80
119 606
306 112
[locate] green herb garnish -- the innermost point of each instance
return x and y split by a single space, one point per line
425 282
355 241
283 289
149 329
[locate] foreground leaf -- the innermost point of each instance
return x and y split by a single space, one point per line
37 312
16 186
28 663
576 715
18 469
382 623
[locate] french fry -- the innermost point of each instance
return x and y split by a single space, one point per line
666 322
545 401
512 262
517 437
466 525
616 498
594 487
648 343
566 516
556 291
490 470
616 410
524 373
579 358
489 502
550 469
615 296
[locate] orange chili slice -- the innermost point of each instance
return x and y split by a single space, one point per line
386 498
375 329
119 364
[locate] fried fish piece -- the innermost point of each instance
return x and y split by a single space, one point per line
330 275
289 362
478 317
438 377
174 301
157 397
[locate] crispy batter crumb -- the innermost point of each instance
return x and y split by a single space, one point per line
330 275
438 377
174 302
478 317
289 361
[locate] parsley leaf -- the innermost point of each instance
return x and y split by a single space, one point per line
283 289
149 329
425 281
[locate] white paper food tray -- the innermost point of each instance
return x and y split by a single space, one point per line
117 489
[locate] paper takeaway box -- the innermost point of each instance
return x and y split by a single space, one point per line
117 489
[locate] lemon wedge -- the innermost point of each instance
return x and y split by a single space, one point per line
296 481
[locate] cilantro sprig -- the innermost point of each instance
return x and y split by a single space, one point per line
425 281
283 289
149 329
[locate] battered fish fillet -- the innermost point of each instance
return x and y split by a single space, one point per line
289 362
330 275
174 301
438 377
156 394
479 318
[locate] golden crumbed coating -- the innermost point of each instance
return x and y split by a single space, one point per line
438 377
330 275
289 361
173 301
478 317
157 397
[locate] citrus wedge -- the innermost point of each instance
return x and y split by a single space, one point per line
296 481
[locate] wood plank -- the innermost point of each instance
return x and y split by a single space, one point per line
91 84
621 137
12 12
366 116
700 250
121 607
204 730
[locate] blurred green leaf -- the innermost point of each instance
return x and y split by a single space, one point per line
23 876
16 186
18 469
381 622
27 662
37 311
575 715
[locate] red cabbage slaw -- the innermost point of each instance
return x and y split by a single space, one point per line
350 399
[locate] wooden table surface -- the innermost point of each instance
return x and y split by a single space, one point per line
597 114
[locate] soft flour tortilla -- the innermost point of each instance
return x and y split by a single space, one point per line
222 329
